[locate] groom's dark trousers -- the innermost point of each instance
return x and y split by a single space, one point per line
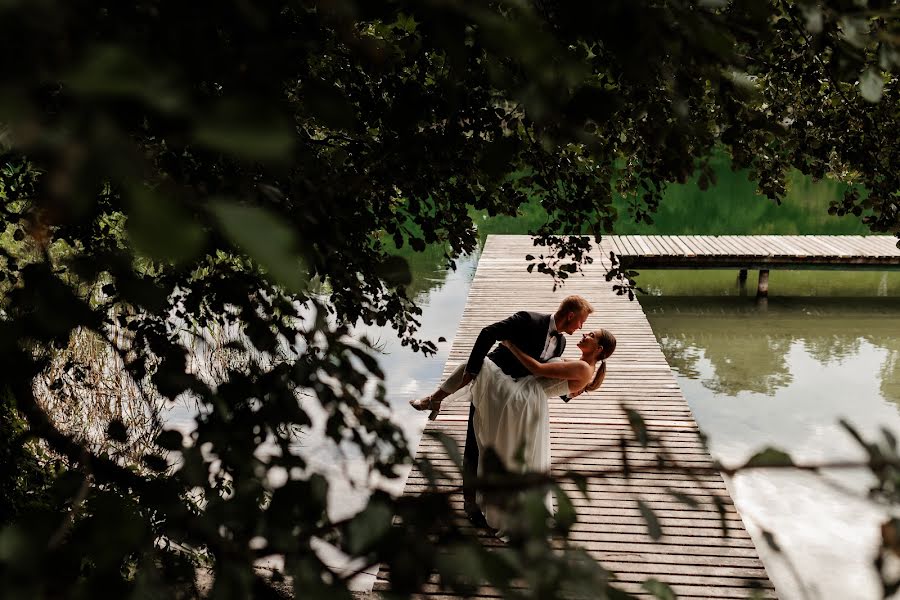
528 331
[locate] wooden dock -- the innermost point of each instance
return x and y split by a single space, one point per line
758 252
693 556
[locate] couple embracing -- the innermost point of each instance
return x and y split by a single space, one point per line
508 392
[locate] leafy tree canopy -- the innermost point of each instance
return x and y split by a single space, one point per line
175 168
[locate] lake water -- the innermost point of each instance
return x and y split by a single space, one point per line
783 375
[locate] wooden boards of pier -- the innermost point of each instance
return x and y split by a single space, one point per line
693 556
755 251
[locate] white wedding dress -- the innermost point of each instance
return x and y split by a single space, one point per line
513 418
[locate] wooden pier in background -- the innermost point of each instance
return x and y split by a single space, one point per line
755 252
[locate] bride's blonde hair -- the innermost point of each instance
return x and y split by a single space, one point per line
607 341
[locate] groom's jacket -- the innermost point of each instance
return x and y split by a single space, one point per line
527 330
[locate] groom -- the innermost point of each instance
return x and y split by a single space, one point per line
539 336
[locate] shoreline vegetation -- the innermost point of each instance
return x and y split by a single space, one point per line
248 182
730 206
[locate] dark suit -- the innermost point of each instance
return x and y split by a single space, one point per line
528 331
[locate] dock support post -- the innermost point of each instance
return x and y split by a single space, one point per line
742 282
762 290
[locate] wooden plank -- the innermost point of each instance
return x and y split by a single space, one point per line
717 247
628 243
698 242
729 244
706 242
822 246
658 242
667 245
683 249
641 244
877 246
806 245
889 242
746 244
720 244
696 248
756 252
789 247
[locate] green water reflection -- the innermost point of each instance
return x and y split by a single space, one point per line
831 284
748 348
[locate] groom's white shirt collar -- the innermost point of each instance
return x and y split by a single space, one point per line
550 342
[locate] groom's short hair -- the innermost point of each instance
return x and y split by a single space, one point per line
575 304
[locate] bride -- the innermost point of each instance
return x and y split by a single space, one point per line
512 416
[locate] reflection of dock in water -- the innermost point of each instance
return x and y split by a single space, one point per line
693 555
748 347
784 310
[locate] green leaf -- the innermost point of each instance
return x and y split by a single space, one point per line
155 462
534 510
368 526
329 104
368 361
653 526
170 439
853 432
308 582
461 565
769 457
162 229
117 431
659 589
580 481
770 540
721 507
265 238
242 129
394 270
871 85
683 498
449 444
432 473
636 421
67 484
813 16
565 516
193 470
890 438
18 545
109 70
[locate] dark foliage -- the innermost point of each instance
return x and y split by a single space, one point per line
175 168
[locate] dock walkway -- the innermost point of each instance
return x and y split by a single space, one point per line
693 556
